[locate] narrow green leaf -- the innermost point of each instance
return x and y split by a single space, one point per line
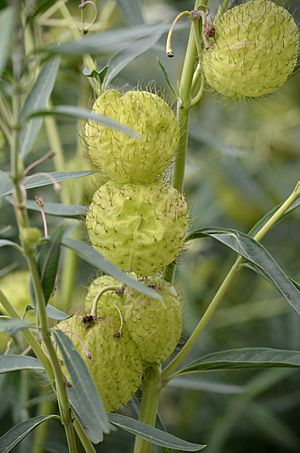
153 435
57 209
132 12
7 243
107 41
12 326
166 77
254 252
54 313
205 386
13 362
83 394
125 56
87 253
244 358
37 100
99 76
16 434
40 180
7 20
84 114
48 259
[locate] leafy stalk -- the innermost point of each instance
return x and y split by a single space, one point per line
23 223
173 365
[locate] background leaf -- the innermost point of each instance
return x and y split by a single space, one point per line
40 180
83 394
12 326
87 253
254 252
36 100
132 12
85 114
48 260
57 209
13 362
107 41
6 243
16 434
153 435
7 20
244 358
125 56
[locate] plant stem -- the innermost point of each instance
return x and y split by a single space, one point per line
173 365
149 406
86 443
23 222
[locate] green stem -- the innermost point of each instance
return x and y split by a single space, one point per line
86 443
149 406
173 365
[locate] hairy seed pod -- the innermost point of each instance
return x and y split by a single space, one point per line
111 356
140 228
127 159
254 51
154 325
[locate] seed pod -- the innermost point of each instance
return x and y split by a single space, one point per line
112 357
254 51
137 227
154 325
127 159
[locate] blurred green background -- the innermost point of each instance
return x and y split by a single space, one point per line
244 158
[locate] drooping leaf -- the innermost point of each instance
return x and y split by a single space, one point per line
153 435
202 385
125 56
57 209
16 434
87 253
48 260
12 326
13 362
254 252
7 243
244 358
40 180
83 394
166 77
85 114
107 41
132 12
36 100
54 313
7 20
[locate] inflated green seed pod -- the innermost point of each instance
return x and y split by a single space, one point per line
127 159
15 287
140 228
111 356
254 51
154 325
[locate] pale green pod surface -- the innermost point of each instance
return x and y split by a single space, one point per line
154 325
254 51
140 228
113 359
127 159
